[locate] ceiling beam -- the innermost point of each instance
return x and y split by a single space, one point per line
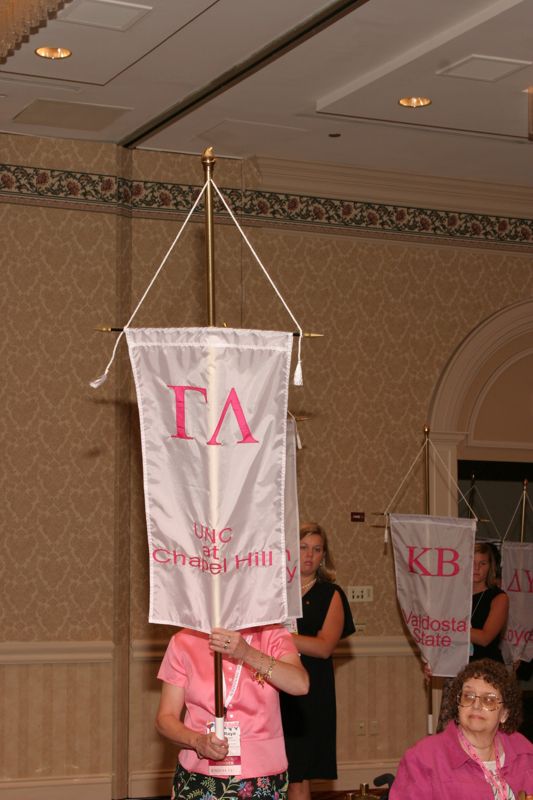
274 50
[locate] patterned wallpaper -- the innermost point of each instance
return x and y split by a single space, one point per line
394 290
57 443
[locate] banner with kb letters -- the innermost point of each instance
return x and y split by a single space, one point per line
517 581
213 417
433 559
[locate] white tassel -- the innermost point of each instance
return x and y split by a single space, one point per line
298 440
298 377
99 381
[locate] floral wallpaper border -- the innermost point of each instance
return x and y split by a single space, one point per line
116 193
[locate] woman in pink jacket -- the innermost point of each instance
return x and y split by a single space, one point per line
479 755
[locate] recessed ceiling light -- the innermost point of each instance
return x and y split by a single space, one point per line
414 102
53 52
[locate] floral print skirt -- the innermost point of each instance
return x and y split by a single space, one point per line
195 786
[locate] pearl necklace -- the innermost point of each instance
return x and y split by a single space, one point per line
307 585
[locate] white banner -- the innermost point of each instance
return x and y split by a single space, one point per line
433 559
213 416
517 581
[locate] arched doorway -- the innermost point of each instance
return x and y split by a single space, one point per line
482 406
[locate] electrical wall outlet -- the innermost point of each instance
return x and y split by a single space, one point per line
360 594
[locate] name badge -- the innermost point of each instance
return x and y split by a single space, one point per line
231 765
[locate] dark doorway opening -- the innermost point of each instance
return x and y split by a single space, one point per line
495 492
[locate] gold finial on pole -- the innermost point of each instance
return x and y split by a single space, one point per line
208 162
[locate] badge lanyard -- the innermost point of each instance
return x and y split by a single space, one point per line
495 780
236 678
231 764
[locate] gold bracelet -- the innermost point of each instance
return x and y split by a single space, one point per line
259 676
268 673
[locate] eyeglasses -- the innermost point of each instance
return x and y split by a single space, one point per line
488 701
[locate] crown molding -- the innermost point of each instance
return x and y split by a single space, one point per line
373 186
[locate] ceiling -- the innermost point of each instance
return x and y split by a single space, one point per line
305 80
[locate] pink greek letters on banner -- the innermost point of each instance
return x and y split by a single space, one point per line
433 559
213 415
517 581
232 400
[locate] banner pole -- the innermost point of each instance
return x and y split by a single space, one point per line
427 511
208 163
426 462
523 520
472 498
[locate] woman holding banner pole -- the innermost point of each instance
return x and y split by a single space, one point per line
309 722
250 760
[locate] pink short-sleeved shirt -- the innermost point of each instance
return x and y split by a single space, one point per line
188 663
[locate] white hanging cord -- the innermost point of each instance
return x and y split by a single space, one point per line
487 512
100 380
436 452
386 512
297 379
450 476
470 492
411 468
515 513
512 519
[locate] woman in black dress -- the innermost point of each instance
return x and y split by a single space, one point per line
309 723
490 606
